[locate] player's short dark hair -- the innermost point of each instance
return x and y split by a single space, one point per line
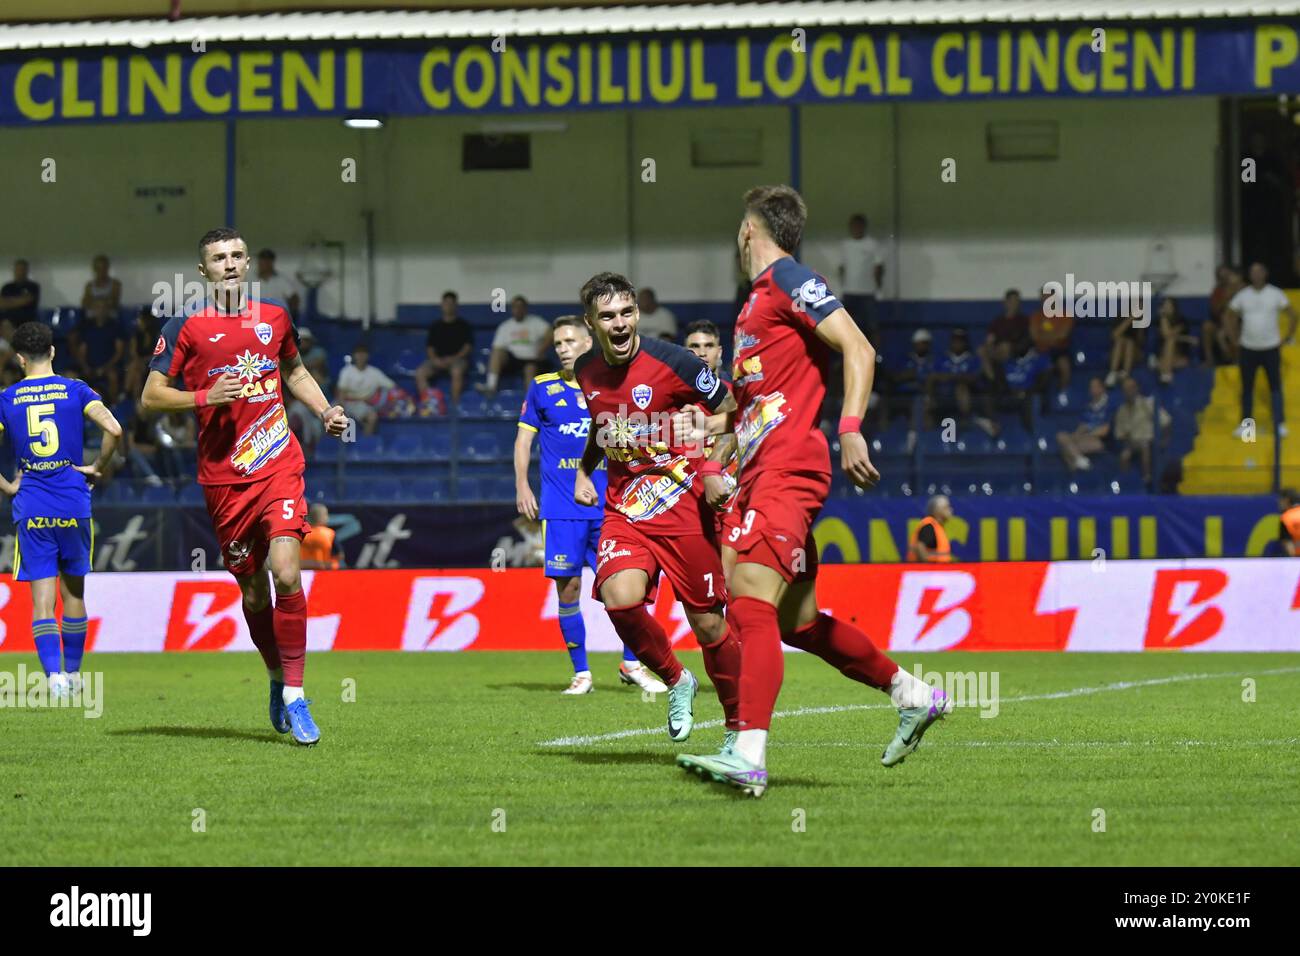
705 326
565 321
605 285
782 212
266 254
858 217
33 340
22 262
450 294
362 346
1010 292
220 234
1289 496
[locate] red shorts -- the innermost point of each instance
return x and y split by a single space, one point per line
775 517
691 563
247 516
727 522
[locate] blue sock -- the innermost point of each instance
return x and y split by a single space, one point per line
628 656
575 634
74 643
46 635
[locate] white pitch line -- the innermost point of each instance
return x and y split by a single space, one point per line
841 708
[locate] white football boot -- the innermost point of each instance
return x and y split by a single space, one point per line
581 684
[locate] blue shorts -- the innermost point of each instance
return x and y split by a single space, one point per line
570 543
60 545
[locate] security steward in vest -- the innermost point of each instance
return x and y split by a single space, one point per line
930 544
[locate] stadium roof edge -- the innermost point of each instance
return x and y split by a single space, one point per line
439 24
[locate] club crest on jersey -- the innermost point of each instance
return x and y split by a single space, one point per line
642 395
706 381
263 331
160 347
813 291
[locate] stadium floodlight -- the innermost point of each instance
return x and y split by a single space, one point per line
363 122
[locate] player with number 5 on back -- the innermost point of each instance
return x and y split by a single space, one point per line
656 514
44 416
235 357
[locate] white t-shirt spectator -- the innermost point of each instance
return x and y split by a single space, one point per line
278 287
1259 309
361 384
522 338
658 324
859 257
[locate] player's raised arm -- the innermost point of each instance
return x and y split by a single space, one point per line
303 386
840 332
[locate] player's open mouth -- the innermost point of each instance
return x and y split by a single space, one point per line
619 341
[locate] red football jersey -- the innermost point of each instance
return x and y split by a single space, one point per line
249 438
779 372
651 481
730 467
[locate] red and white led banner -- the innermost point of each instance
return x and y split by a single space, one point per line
1207 605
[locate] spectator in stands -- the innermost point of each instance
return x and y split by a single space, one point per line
143 339
447 349
1176 340
1023 377
862 274
1089 436
954 383
19 300
176 440
358 387
313 355
911 382
1255 310
1126 344
273 285
1007 335
518 347
655 320
1135 427
142 448
98 350
1288 503
317 552
1051 336
1218 332
103 294
929 543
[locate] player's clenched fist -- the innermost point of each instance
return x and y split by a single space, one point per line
716 490
584 490
224 390
856 462
336 421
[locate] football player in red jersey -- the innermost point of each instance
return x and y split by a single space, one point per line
704 339
234 359
656 514
784 335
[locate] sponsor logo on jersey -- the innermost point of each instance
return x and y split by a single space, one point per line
745 341
37 523
813 292
650 495
263 331
553 388
248 366
642 395
262 441
706 382
578 429
218 337
607 552
762 415
236 551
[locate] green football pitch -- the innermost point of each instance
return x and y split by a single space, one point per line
475 758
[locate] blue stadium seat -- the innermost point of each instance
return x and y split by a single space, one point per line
481 445
472 403
365 448
427 490
190 494
506 404
406 444
157 495
437 442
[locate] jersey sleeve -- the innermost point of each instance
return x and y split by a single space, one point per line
696 382
809 295
86 395
289 344
529 416
170 353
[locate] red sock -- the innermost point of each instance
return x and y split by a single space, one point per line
722 662
647 640
845 648
291 634
263 635
753 622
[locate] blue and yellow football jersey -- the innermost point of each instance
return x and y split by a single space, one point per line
557 411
